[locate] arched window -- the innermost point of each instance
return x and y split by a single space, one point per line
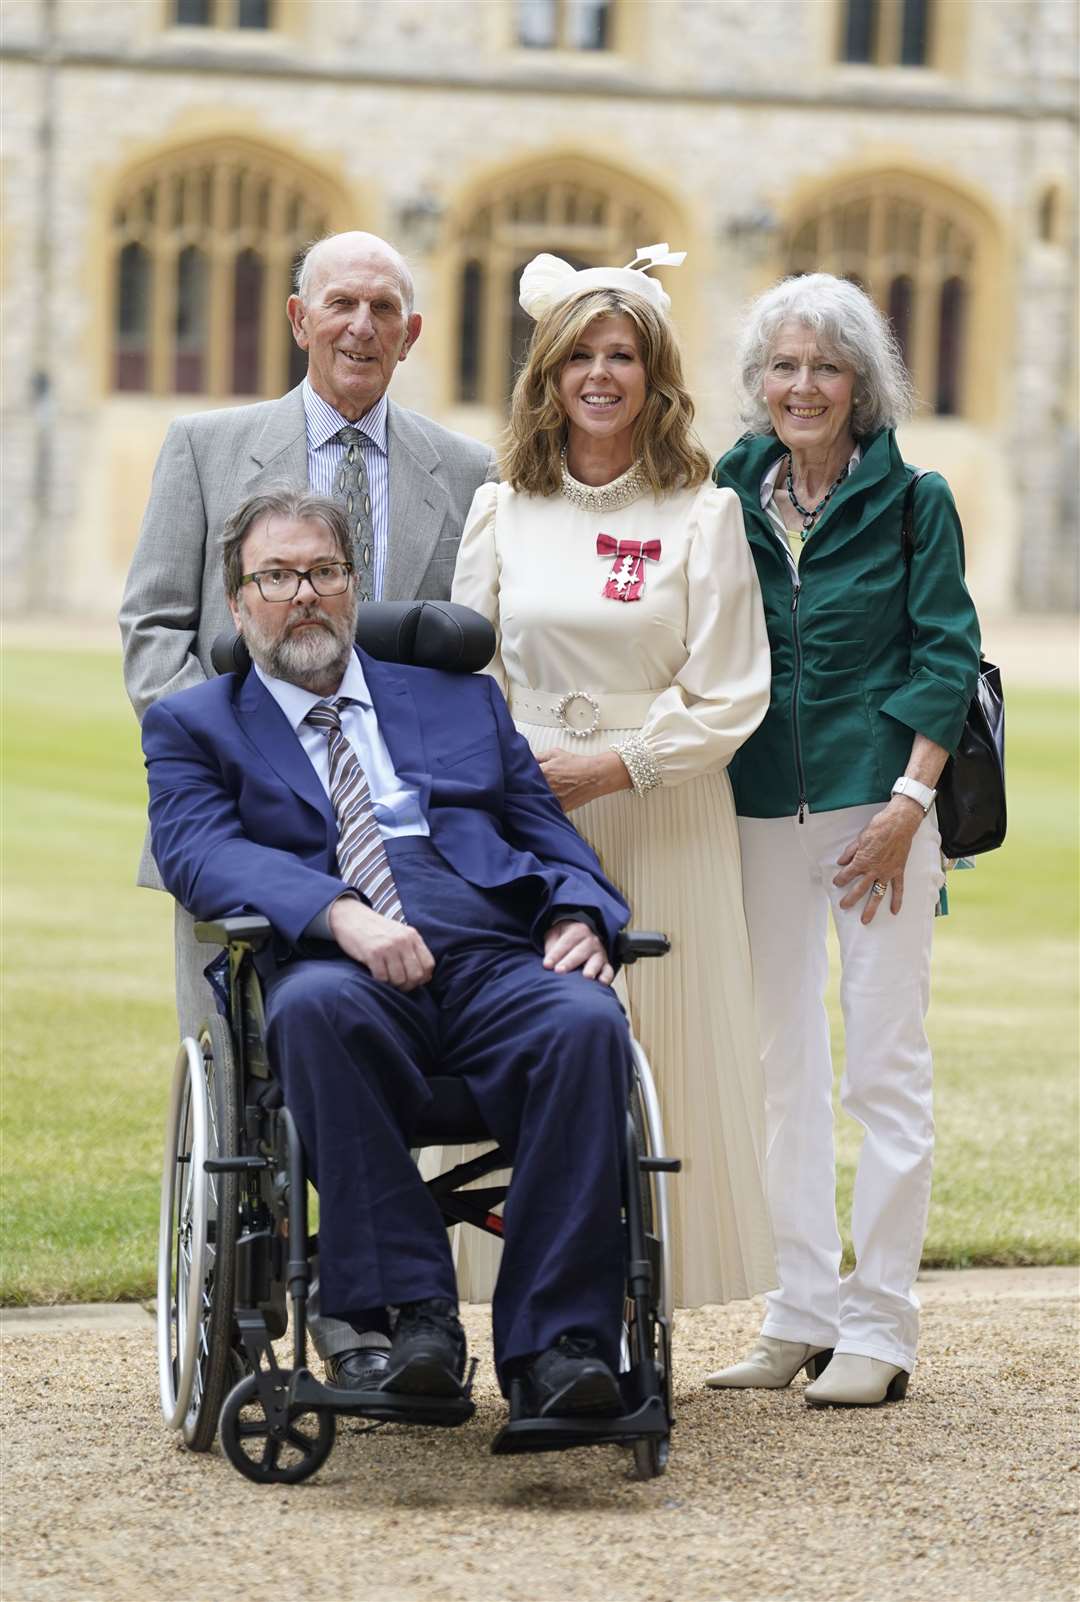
583 214
203 246
917 256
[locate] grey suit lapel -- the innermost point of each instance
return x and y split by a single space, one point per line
279 452
418 505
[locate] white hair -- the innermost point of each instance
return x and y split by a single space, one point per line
308 264
846 323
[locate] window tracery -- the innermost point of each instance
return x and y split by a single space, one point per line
203 244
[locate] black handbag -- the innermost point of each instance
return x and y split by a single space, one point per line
971 811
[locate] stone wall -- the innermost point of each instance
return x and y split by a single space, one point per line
392 102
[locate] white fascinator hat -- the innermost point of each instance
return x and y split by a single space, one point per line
547 280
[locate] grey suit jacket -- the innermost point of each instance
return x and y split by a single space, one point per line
174 601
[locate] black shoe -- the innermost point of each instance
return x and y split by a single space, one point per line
571 1381
427 1355
362 1368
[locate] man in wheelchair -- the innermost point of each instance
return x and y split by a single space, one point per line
432 910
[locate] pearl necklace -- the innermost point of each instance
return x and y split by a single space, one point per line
629 486
811 515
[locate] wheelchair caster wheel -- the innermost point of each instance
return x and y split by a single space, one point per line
650 1459
266 1455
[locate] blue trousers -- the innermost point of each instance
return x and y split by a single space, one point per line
547 1058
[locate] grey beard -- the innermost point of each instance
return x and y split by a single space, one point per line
308 657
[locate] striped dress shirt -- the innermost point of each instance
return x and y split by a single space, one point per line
396 804
324 453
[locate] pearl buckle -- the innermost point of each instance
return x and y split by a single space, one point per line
563 713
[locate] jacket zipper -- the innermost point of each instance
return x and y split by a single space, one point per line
796 591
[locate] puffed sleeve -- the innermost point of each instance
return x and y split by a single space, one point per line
476 575
721 692
944 627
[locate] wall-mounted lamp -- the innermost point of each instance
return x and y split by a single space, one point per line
751 232
418 223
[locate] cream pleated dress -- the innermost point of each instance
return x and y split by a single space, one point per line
686 668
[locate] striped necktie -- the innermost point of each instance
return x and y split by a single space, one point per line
361 855
353 493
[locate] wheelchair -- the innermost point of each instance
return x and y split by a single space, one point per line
234 1245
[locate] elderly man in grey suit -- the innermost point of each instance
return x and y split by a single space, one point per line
405 482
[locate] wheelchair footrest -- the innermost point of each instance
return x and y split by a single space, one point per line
387 1407
560 1434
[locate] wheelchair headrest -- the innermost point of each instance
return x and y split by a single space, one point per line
435 634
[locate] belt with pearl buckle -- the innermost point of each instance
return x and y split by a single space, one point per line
581 712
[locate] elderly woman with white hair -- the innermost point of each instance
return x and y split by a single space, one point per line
875 655
633 654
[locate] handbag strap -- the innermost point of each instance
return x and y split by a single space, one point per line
907 544
907 521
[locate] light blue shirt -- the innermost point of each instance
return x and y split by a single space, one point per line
324 454
396 805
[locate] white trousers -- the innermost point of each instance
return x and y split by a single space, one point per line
788 870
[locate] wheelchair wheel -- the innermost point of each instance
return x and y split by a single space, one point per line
197 1233
649 1339
269 1456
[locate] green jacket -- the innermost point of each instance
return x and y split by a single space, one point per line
866 652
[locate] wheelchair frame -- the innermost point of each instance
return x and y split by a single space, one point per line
233 1254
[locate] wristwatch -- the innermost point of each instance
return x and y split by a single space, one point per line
915 791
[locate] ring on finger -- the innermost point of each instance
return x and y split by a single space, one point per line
878 888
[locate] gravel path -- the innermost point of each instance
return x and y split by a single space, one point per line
967 1492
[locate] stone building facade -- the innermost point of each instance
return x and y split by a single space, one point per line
163 160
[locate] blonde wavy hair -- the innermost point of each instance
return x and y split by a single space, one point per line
664 442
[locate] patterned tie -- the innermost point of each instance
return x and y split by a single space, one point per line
362 859
354 495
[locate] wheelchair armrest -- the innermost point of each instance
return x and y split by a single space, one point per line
252 930
255 931
635 943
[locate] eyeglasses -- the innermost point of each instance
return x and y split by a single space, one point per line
283 583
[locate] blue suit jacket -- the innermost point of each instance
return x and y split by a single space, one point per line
239 820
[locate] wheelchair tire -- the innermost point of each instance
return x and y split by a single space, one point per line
654 1194
197 1358
650 1459
650 1342
284 1457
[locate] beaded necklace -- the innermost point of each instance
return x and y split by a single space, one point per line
629 486
811 515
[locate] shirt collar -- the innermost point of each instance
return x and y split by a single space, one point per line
771 474
297 702
323 422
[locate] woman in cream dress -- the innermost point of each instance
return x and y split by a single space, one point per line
633 654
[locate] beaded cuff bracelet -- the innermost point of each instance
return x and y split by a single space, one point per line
640 764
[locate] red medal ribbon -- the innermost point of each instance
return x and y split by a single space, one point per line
626 582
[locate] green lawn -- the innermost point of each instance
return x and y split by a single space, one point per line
88 1025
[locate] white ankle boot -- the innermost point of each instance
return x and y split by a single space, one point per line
771 1365
853 1381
